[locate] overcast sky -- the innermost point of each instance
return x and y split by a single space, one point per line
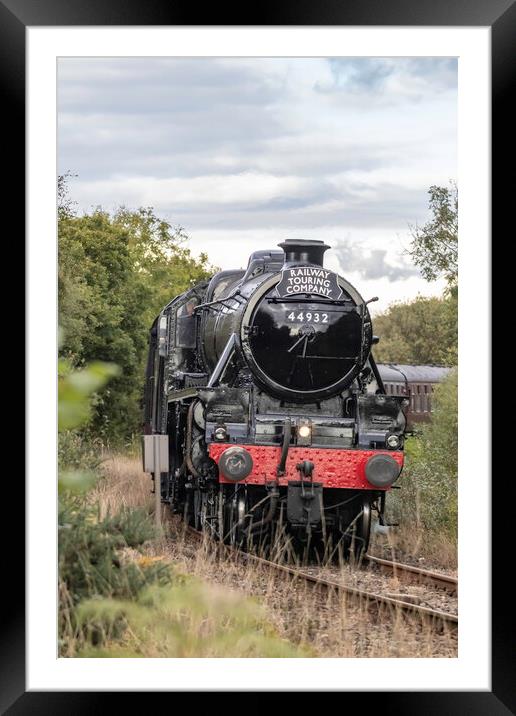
244 153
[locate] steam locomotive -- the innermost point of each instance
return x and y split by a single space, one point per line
275 411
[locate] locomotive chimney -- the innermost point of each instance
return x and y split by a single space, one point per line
304 251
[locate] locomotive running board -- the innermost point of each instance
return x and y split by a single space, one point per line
183 394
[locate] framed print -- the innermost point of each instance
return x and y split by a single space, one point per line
165 152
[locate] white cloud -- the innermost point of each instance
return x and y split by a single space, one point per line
216 189
246 152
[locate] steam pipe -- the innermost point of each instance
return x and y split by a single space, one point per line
270 514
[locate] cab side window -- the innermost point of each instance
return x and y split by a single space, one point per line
186 324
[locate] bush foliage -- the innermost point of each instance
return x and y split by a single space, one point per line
115 274
113 603
435 246
419 332
186 619
428 495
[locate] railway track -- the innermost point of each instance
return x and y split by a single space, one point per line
409 574
437 619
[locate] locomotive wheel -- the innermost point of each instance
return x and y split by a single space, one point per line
234 527
351 539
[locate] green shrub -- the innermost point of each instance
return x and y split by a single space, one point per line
187 619
76 452
419 332
78 457
428 495
115 274
91 561
113 603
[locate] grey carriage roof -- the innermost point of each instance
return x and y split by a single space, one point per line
414 373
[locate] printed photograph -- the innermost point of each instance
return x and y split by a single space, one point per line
258 358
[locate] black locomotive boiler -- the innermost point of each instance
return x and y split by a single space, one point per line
275 412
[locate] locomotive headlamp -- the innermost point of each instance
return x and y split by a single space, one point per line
393 442
382 470
304 432
220 433
235 463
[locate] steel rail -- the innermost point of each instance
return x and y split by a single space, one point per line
434 616
414 574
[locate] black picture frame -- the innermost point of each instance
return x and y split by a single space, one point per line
15 17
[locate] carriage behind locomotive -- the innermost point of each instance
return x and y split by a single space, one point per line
275 411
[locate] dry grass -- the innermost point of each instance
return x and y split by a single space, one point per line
429 550
321 624
125 485
188 618
122 485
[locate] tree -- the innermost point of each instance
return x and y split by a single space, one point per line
65 205
434 246
165 266
424 331
419 332
115 274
